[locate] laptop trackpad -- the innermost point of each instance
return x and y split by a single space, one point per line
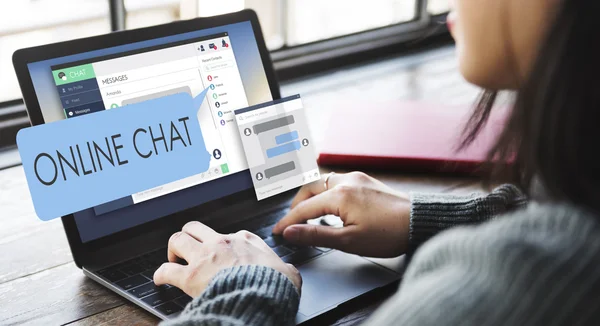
336 278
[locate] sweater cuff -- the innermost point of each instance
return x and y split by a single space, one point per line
433 213
251 294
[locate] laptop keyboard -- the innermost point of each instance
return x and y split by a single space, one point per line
135 275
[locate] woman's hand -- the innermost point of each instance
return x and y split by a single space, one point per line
376 218
207 252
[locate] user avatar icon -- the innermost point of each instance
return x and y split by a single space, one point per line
224 44
222 122
247 132
209 78
215 96
212 86
217 104
62 76
201 48
259 176
217 154
220 114
305 142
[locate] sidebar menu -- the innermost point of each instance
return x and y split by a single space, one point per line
78 90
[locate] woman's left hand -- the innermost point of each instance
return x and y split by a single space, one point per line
207 252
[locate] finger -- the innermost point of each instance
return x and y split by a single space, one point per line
182 245
317 206
199 231
315 188
306 192
170 273
317 235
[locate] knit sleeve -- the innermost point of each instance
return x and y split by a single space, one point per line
536 266
433 213
243 295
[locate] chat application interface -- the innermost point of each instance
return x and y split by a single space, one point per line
206 63
278 146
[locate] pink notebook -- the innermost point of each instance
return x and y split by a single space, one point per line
413 136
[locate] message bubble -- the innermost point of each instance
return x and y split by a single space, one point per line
286 137
273 124
78 163
280 169
283 149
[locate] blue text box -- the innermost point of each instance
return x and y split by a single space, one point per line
282 149
287 137
75 164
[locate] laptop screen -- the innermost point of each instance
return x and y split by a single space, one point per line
225 59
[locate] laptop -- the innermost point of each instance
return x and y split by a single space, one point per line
121 243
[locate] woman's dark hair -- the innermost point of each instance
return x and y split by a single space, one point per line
555 121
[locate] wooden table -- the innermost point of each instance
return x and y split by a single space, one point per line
39 283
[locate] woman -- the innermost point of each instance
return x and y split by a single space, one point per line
524 264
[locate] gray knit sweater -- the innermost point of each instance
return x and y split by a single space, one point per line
538 265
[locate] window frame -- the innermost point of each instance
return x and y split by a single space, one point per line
289 62
301 55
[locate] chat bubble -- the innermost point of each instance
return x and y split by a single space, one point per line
280 169
78 163
273 124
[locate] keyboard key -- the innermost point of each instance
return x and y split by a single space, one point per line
264 232
176 291
132 282
149 274
270 242
169 308
324 249
146 289
162 252
274 241
157 257
132 269
294 248
302 256
146 264
184 300
161 297
112 274
282 251
270 219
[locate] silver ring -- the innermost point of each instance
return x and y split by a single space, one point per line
326 183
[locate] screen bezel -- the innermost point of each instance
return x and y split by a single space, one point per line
83 252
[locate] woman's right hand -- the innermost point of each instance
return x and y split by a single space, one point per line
376 218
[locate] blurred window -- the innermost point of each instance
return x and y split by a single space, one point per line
437 7
299 32
26 23
285 23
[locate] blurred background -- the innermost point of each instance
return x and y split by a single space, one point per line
304 36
